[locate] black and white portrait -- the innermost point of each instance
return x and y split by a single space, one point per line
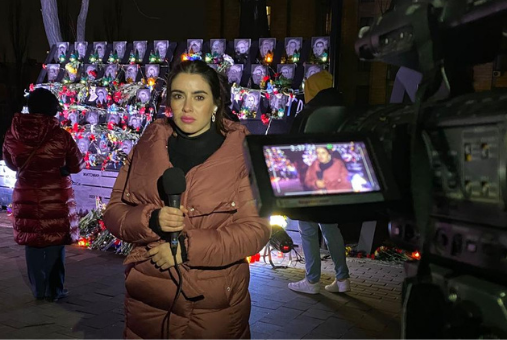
71 76
53 70
100 48
92 118
90 71
242 46
83 145
152 70
161 47
310 70
292 45
92 94
194 45
103 146
80 48
217 46
113 118
111 71
251 100
319 45
287 70
101 96
140 48
266 45
62 48
127 145
258 72
143 95
235 73
277 101
131 73
73 117
120 47
135 122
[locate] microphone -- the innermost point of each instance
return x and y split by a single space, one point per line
174 184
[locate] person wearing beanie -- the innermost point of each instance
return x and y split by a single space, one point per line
45 218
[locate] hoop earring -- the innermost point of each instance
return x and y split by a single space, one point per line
213 117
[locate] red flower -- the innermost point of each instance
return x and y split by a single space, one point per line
32 87
264 119
266 78
102 225
110 125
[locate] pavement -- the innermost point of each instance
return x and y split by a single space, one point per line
94 308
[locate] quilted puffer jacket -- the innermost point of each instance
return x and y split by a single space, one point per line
43 202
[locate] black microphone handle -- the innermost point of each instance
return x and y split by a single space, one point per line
174 202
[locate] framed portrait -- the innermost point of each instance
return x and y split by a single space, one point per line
161 47
113 118
135 122
277 101
101 93
130 72
266 45
99 47
111 71
83 144
292 45
258 72
52 71
242 46
120 47
217 46
143 95
74 117
194 45
127 145
92 118
251 100
140 47
310 70
235 73
287 70
91 71
62 48
80 48
319 45
152 70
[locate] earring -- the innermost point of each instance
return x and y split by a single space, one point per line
214 113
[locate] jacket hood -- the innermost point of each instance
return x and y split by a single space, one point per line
31 129
319 81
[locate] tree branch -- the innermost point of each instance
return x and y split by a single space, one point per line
81 20
49 11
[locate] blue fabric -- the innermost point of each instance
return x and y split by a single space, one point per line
311 249
46 270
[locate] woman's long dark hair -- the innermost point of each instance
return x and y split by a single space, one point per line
219 90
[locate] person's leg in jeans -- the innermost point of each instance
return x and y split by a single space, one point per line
35 258
336 246
55 270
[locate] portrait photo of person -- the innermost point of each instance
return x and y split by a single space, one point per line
83 145
161 47
140 48
292 45
310 70
92 94
135 122
101 96
287 70
194 45
266 45
251 100
258 73
62 48
152 70
143 95
80 48
111 71
53 70
103 146
90 71
113 118
328 172
131 73
126 146
100 48
71 76
217 46
120 47
235 73
92 118
242 46
73 117
277 101
319 45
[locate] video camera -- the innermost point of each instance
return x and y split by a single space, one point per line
436 169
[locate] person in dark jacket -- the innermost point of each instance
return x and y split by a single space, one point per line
45 218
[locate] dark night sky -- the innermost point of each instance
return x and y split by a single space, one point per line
160 19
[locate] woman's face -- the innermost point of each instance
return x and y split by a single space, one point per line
192 103
323 155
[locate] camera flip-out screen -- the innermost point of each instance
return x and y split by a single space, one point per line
324 178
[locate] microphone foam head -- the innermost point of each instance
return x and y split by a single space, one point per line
174 181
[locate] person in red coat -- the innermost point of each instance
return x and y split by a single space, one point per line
327 173
43 205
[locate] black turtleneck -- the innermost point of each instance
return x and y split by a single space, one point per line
186 152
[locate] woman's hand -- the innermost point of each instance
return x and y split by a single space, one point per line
162 257
171 219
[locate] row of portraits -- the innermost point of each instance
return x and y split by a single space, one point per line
55 72
82 49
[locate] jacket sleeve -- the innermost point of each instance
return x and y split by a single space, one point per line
7 157
246 235
311 177
127 221
341 180
73 159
